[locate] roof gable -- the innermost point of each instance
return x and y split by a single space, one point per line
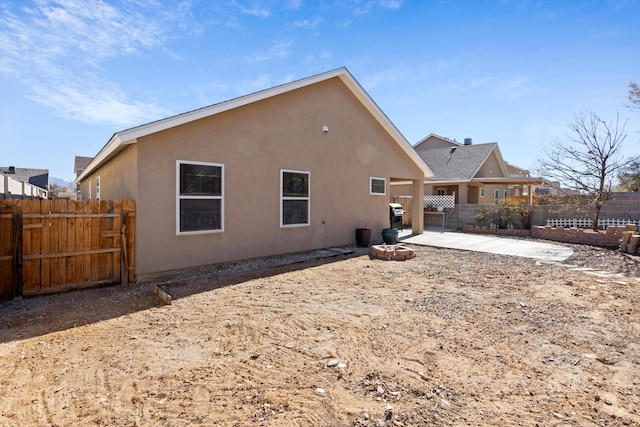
461 162
81 163
434 141
129 136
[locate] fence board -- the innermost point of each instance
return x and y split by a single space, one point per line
95 242
70 267
6 255
66 245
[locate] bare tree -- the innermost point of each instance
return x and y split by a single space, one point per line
630 176
588 160
634 96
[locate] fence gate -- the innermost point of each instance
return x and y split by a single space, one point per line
49 246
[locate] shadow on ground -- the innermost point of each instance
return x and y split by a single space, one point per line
37 316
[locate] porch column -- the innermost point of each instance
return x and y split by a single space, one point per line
462 194
417 206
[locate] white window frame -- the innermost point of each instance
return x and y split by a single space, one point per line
97 187
371 192
496 195
180 197
282 199
89 186
506 194
481 191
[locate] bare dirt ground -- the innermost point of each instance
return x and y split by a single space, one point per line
448 338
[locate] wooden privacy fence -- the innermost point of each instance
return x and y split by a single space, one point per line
49 246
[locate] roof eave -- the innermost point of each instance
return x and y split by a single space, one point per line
510 180
130 136
386 123
113 147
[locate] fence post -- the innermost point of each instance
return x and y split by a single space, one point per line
17 255
124 262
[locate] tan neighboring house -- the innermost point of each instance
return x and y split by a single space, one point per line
23 183
79 165
473 173
292 168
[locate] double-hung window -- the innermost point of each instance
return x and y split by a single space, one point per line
200 197
294 198
377 186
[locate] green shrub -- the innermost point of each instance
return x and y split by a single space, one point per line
505 214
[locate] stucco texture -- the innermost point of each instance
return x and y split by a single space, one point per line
255 142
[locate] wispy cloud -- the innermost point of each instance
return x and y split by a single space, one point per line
279 49
259 11
56 48
386 76
361 7
308 23
295 4
220 90
498 87
97 102
260 82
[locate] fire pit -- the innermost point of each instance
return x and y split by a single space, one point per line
392 252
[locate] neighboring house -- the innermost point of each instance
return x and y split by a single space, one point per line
80 164
292 168
24 182
473 173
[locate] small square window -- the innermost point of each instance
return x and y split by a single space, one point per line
377 186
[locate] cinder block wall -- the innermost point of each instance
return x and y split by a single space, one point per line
622 206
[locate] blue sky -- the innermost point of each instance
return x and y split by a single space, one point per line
73 72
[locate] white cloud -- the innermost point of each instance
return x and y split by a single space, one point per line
391 4
279 49
56 48
361 7
386 76
319 60
308 24
260 82
295 4
256 11
97 104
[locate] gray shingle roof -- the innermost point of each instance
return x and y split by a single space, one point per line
463 164
37 177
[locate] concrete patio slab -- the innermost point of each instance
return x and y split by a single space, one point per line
489 243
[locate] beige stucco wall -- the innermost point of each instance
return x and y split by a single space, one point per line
254 143
490 168
433 142
118 177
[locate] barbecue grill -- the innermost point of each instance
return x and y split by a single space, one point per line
395 215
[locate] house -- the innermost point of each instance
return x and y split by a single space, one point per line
472 173
23 182
292 168
80 164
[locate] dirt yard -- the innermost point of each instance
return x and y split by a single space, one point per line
448 338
